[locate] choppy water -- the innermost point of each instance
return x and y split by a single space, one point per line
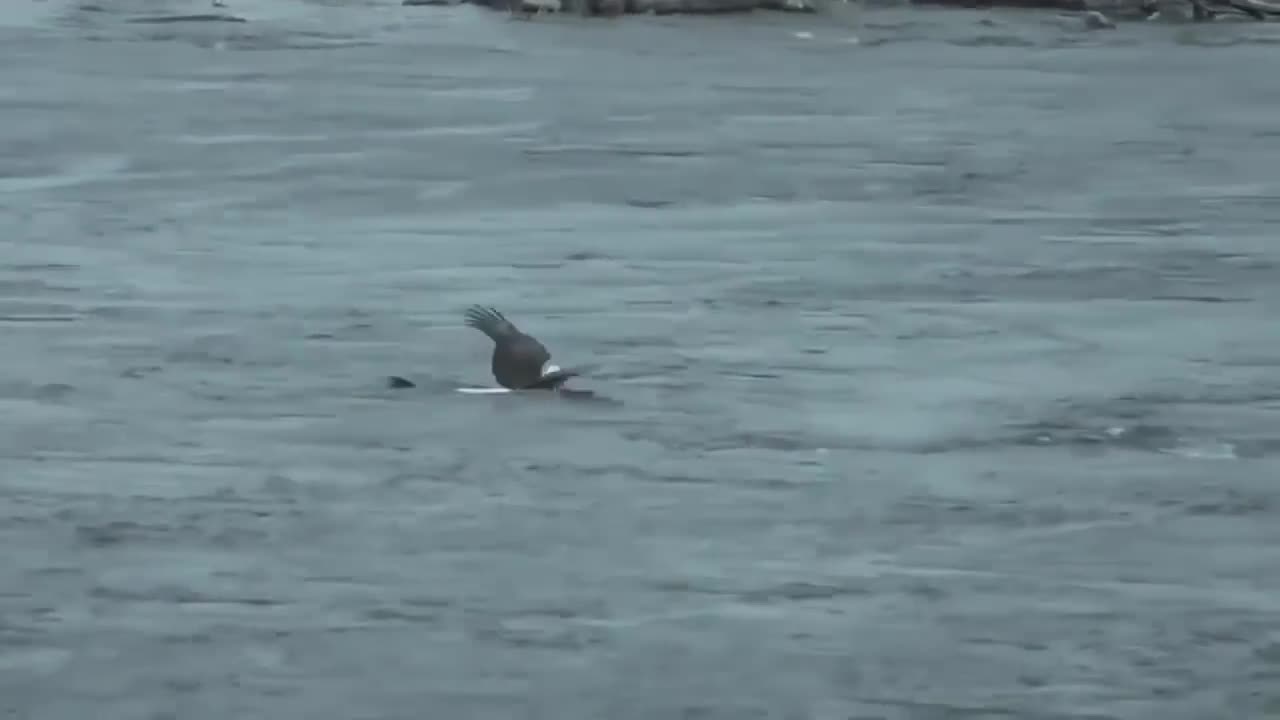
939 370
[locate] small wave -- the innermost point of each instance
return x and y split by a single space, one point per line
1164 423
248 138
619 150
77 172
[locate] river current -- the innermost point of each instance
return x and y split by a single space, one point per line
935 362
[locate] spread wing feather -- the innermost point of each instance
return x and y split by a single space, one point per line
518 359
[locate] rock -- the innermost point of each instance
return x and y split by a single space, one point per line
800 6
1094 20
1091 20
692 7
1075 5
1257 9
1208 10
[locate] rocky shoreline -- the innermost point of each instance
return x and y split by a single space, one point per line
1197 10
1097 13
634 7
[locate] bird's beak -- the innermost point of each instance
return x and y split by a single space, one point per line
550 368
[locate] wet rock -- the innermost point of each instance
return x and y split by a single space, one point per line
1075 22
1256 9
1075 5
1094 20
693 7
611 8
801 6
528 7
1135 9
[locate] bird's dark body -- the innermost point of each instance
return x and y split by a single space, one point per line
518 359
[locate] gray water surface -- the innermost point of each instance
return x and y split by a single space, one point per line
936 372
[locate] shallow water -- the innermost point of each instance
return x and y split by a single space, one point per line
938 369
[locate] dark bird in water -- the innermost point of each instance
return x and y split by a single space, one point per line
520 362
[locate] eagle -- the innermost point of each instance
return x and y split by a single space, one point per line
519 361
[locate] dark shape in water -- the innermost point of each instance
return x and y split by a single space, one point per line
208 17
519 361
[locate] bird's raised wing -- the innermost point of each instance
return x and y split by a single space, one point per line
518 359
490 322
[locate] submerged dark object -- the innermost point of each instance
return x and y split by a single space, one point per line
519 361
206 17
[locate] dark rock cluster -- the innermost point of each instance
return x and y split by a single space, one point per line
1198 9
